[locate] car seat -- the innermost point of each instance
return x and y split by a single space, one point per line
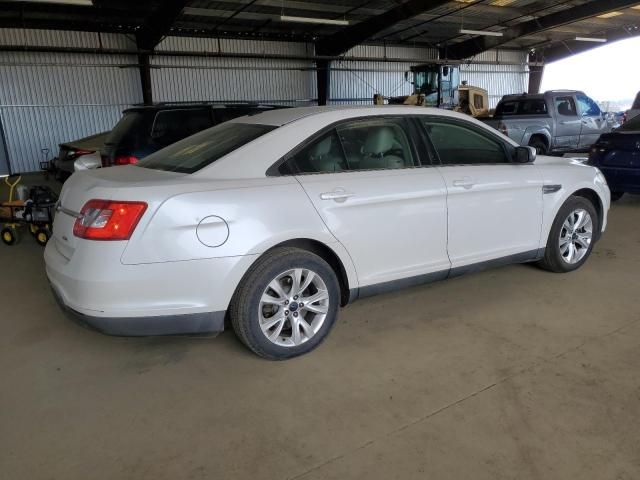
378 150
322 159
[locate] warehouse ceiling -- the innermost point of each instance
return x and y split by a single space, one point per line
548 28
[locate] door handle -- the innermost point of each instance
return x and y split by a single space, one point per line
336 195
464 183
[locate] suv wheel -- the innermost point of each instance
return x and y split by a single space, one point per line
539 144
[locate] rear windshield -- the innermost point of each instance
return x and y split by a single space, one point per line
632 125
533 106
125 129
197 151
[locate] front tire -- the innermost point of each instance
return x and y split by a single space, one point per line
540 145
286 304
572 236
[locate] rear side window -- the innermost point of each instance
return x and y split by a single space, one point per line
197 151
566 106
378 144
458 144
169 126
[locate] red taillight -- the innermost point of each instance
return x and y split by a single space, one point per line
73 154
125 160
108 220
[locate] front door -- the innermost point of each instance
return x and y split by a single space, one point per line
568 123
365 180
495 205
593 121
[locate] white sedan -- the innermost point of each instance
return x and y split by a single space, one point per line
275 220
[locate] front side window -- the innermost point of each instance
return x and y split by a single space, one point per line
588 107
458 144
566 106
377 144
193 153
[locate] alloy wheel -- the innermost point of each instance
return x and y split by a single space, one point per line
576 235
293 307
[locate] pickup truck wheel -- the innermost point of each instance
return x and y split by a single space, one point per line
615 196
572 236
286 304
539 144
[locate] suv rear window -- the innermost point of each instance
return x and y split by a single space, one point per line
531 106
169 126
204 148
125 129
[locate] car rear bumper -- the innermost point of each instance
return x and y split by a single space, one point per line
194 323
166 298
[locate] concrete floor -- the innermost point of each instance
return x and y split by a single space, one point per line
510 373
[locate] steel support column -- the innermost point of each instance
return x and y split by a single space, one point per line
323 74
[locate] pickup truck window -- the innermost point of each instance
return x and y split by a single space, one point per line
462 145
566 106
588 107
533 106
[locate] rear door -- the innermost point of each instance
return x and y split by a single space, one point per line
593 122
494 205
365 180
568 122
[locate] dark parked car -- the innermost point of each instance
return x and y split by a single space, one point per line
69 152
146 129
617 155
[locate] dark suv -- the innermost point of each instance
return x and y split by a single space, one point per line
146 129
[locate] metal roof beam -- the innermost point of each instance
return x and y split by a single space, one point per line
349 37
480 44
159 23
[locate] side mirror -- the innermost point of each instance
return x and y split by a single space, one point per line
525 155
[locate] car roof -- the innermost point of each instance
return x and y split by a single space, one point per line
282 117
196 105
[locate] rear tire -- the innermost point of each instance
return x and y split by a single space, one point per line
572 236
540 145
615 196
286 304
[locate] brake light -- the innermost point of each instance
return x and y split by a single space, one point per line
125 160
78 153
108 220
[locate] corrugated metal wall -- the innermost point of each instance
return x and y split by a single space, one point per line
49 98
499 79
268 80
356 81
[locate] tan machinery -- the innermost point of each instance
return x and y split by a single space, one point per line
438 86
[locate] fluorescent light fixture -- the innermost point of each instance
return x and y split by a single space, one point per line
481 32
86 3
610 15
591 39
322 21
501 3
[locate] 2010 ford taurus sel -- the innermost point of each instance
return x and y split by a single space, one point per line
275 220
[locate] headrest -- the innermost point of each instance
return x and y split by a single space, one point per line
321 148
379 141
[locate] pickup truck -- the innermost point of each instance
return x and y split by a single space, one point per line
551 122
